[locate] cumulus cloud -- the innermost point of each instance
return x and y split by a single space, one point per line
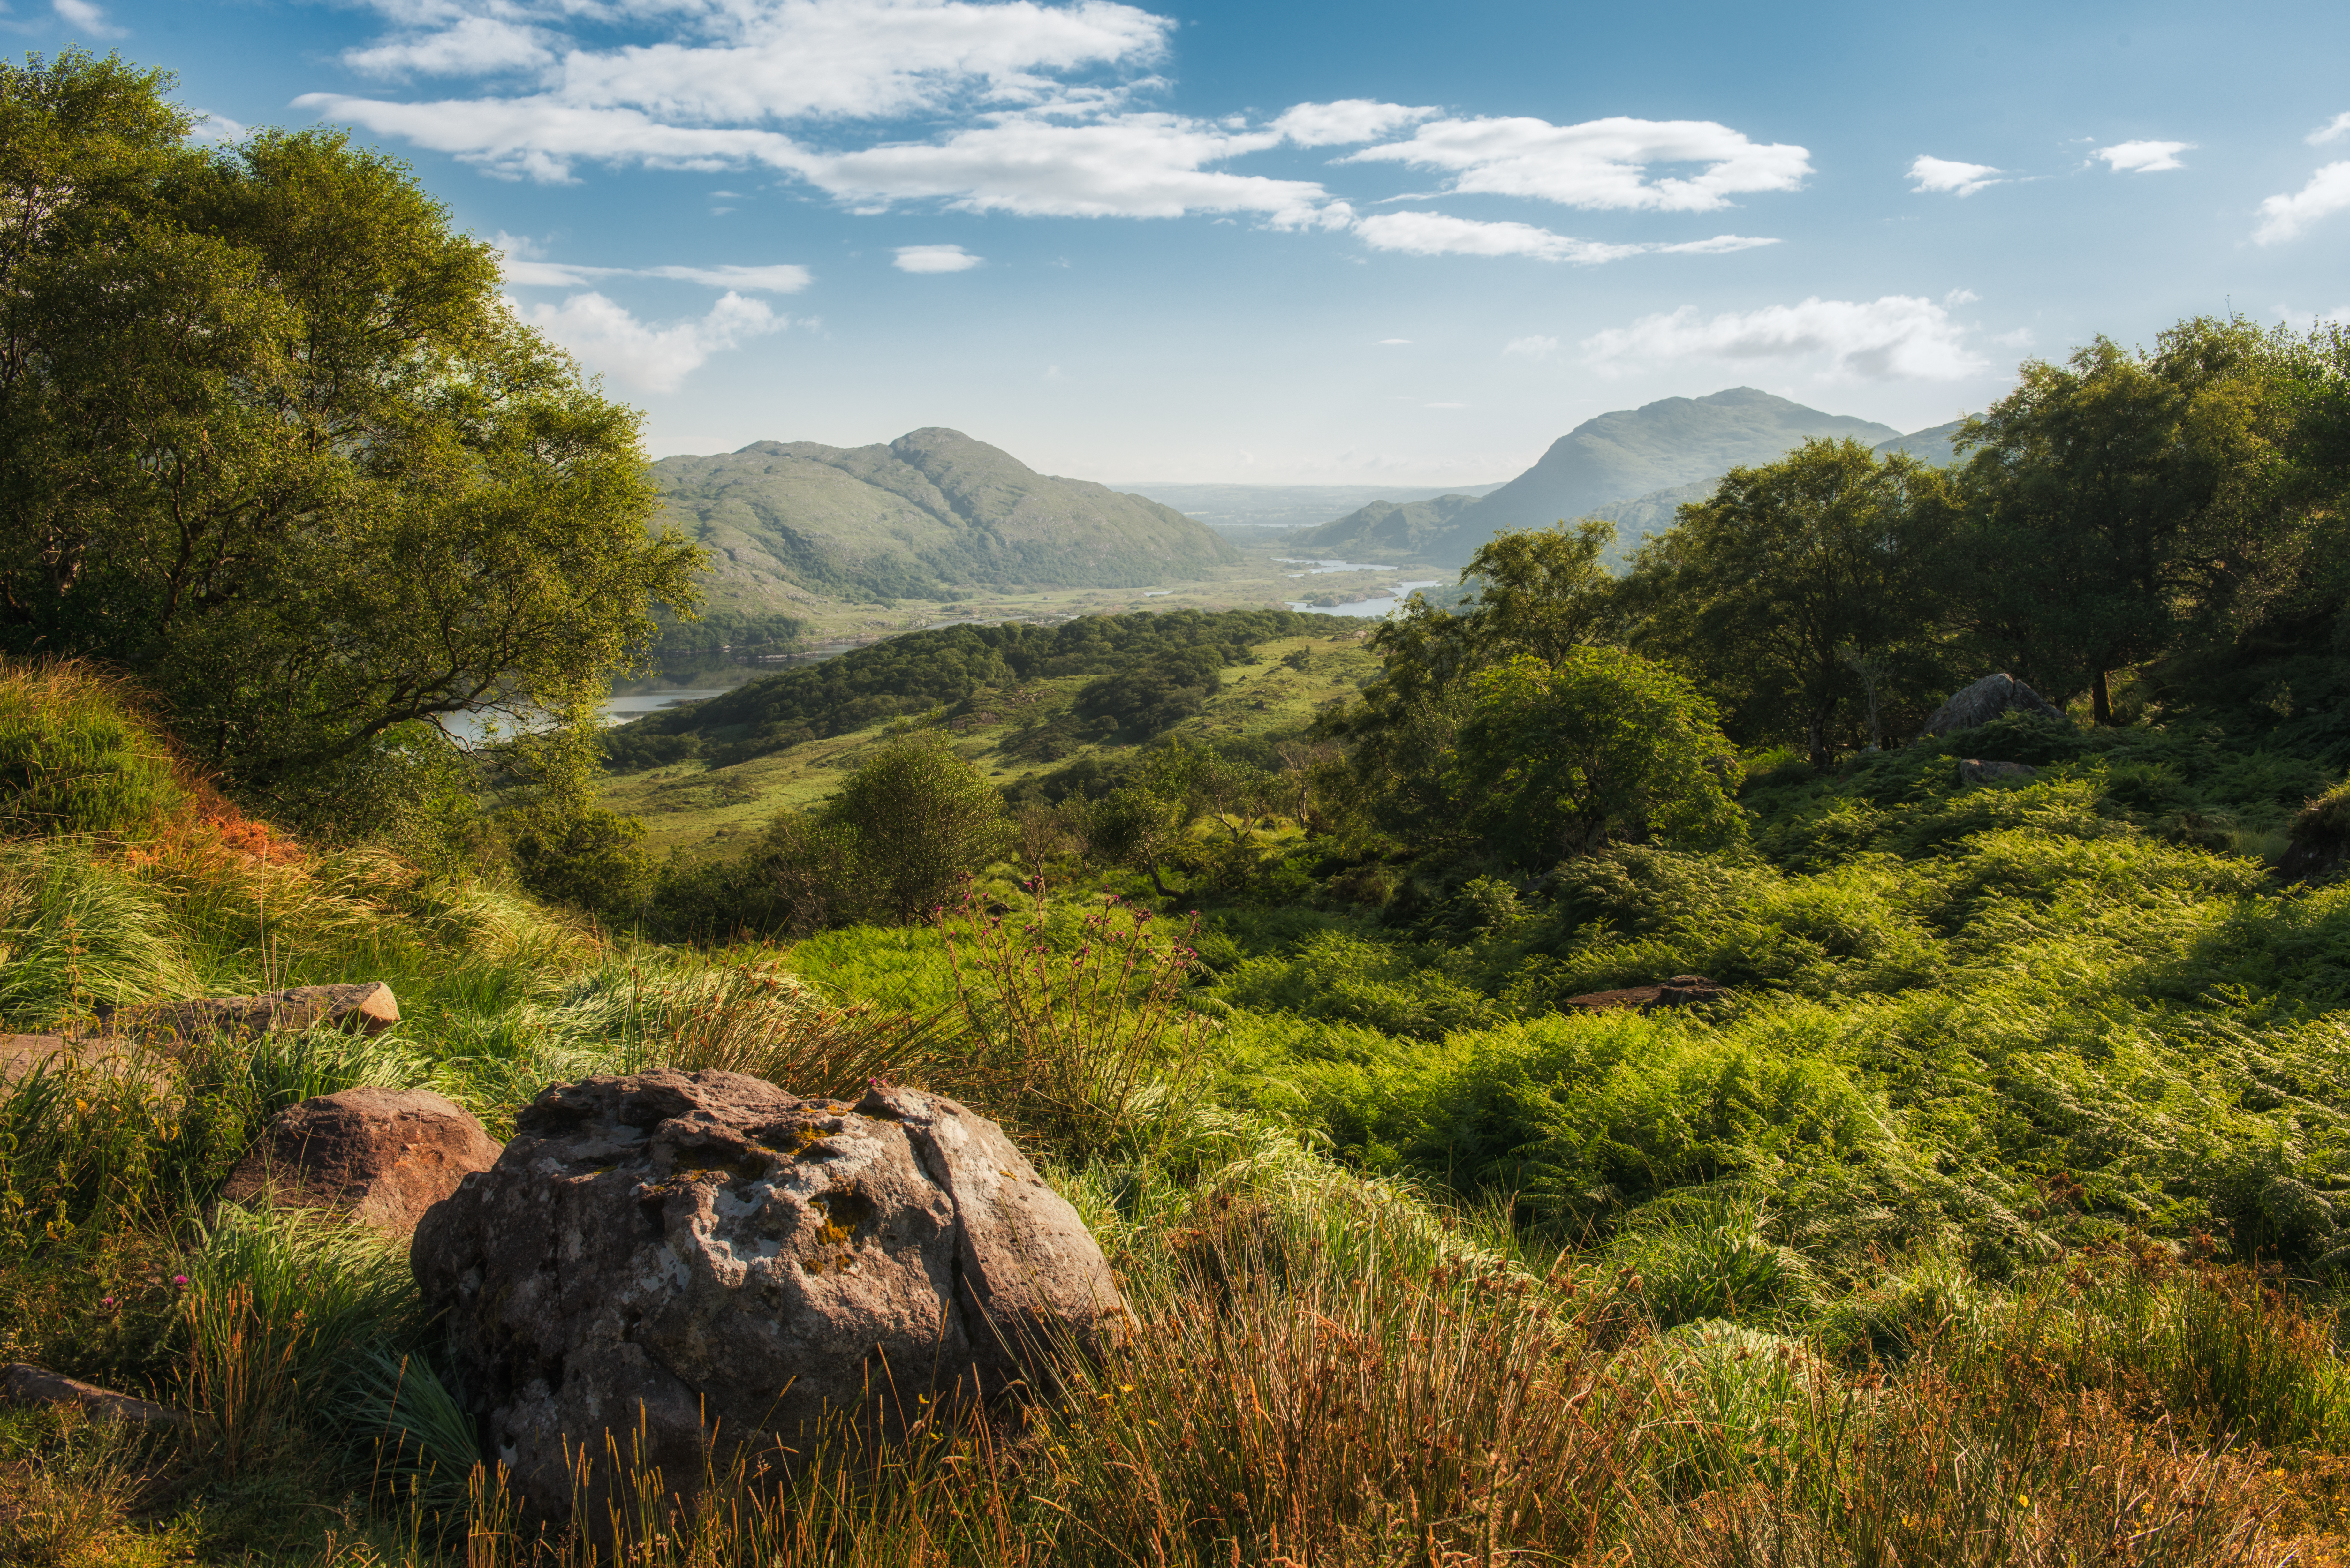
466 45
610 339
85 18
2283 217
1957 178
218 127
1599 162
1347 120
1438 233
2333 130
1536 347
2143 157
935 258
1896 338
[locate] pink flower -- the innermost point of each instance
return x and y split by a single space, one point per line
105 1300
178 1279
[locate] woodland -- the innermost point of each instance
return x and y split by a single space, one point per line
1988 1203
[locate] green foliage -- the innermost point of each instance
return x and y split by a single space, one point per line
77 933
75 756
918 817
945 665
1144 701
1805 595
1602 745
270 439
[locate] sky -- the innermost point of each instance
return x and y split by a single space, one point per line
1312 243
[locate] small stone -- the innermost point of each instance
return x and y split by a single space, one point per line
22 1382
383 1157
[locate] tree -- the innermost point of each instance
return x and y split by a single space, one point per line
1538 592
1561 759
270 439
2121 501
1802 588
918 817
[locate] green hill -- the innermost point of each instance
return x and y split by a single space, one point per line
789 524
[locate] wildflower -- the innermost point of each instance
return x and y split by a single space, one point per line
105 1300
178 1279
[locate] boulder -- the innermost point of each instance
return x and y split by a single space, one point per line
2317 845
1986 700
667 1262
1679 991
367 1007
25 1384
381 1156
1975 771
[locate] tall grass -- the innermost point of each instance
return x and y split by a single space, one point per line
78 757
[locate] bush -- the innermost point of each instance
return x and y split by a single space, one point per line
78 757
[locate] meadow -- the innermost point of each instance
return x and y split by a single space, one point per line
1992 1219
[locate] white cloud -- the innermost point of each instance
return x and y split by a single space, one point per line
1896 338
1347 120
1957 178
2021 338
2143 157
468 45
2283 217
608 338
86 18
761 60
1438 233
2333 130
935 258
525 267
1599 162
218 127
1536 347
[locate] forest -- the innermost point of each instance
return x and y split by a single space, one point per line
1625 1086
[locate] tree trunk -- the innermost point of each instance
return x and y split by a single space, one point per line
2101 701
1155 882
1815 740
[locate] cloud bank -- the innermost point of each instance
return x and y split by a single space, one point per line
1896 338
2284 217
609 339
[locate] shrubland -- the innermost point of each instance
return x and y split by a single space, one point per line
1990 1205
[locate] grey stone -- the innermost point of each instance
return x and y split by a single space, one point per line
366 1007
1975 771
381 1156
1986 700
22 1382
676 1268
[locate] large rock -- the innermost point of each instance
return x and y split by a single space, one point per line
665 1260
21 1056
367 1007
1986 700
381 1156
1976 771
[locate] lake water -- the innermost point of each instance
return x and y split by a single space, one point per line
1378 608
1315 568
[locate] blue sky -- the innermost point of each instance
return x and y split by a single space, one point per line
1312 242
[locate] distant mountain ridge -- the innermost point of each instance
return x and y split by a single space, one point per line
1635 466
926 516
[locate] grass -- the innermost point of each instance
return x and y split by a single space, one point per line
697 809
1995 1218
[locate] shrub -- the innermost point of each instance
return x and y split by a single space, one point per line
78 757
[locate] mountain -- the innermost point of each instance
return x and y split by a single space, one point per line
926 516
1635 466
1931 445
1238 511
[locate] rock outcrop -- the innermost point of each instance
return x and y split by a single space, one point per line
667 1262
365 1008
1681 991
1976 771
2317 845
381 1156
1986 700
24 1055
22 1382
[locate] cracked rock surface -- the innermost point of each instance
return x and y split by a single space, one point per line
675 1260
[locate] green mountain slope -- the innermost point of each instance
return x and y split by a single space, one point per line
932 513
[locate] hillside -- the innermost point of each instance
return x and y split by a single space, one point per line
1241 509
930 516
1634 452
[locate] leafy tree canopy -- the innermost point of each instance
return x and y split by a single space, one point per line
269 439
1601 746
